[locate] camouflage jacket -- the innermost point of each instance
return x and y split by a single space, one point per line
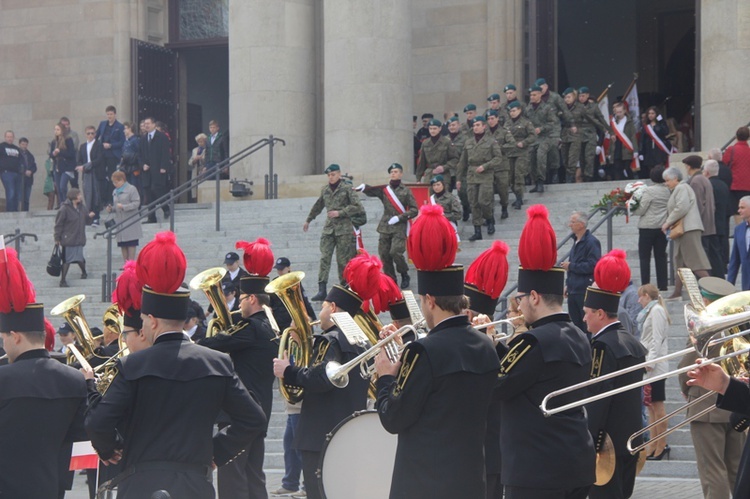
594 120
486 152
520 130
404 195
544 117
457 145
434 154
557 103
505 113
451 206
344 200
577 115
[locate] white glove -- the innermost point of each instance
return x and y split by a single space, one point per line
659 118
598 150
393 221
640 157
360 188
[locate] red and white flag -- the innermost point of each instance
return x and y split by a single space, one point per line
633 105
84 457
358 237
604 150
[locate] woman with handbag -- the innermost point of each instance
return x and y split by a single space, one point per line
70 232
125 202
684 227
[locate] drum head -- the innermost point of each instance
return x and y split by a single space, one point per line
357 459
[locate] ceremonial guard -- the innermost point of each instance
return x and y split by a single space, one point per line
252 349
476 173
399 207
516 149
158 414
554 456
324 405
547 130
571 136
458 140
613 349
436 154
344 212
500 182
593 122
437 396
42 401
450 203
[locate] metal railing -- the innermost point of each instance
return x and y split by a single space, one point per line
729 142
17 238
610 212
169 199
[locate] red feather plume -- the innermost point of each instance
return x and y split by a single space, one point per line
161 264
258 257
15 288
127 293
489 272
537 248
388 293
612 272
49 335
432 241
363 275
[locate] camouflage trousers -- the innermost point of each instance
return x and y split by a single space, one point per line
571 153
545 157
500 184
588 155
391 249
518 168
480 197
345 247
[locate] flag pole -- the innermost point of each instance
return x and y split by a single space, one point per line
604 93
630 87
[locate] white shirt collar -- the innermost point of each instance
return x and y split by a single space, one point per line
605 327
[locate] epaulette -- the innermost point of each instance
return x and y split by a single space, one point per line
520 347
322 344
597 355
408 360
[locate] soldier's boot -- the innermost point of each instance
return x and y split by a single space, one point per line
490 226
539 187
63 274
518 203
467 213
405 280
504 215
571 178
477 233
321 292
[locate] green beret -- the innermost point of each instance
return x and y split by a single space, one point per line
470 107
452 119
540 81
568 90
514 104
395 166
332 168
509 86
535 88
436 178
493 97
492 112
584 90
479 118
434 123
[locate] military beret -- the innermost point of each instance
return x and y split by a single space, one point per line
693 161
470 107
568 90
535 88
492 112
510 86
452 119
434 122
428 116
493 97
714 288
332 168
479 118
395 166
540 81
436 178
514 104
584 90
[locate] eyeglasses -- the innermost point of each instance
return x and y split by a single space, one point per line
244 297
518 298
90 133
129 331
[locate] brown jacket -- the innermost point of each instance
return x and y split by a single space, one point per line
70 224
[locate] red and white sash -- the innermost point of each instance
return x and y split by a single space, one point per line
455 226
358 237
635 165
659 143
391 195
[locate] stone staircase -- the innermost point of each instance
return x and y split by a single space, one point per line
281 221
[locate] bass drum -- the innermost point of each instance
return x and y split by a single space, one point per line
357 459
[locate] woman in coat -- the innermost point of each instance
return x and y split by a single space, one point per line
652 210
653 143
125 202
688 249
62 151
70 232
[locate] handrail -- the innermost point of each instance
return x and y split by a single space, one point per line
732 140
610 213
17 238
169 198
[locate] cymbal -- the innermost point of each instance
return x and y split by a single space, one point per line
641 462
605 461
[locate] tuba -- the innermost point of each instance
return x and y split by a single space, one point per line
71 311
209 281
106 372
299 345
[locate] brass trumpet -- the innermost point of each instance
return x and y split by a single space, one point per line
209 281
507 322
72 312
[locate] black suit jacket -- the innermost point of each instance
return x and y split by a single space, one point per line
96 165
42 403
155 154
721 204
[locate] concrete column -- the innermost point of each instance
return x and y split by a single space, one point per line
504 44
725 49
272 86
367 80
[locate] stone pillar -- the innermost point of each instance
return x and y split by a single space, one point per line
272 86
724 51
367 80
504 44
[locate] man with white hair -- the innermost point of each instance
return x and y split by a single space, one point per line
725 173
740 252
711 170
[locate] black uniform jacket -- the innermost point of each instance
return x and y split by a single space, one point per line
619 416
252 350
438 406
737 399
42 403
281 314
538 452
155 154
164 402
325 406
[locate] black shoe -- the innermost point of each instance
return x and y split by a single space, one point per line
539 187
665 452
405 281
491 229
63 284
477 233
504 215
84 276
467 214
321 296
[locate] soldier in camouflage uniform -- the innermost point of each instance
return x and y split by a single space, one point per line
571 135
436 154
344 210
547 130
494 101
470 111
500 184
594 120
458 139
450 203
554 164
511 96
393 224
476 173
516 150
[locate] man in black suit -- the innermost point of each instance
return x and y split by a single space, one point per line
156 165
97 188
711 169
217 147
